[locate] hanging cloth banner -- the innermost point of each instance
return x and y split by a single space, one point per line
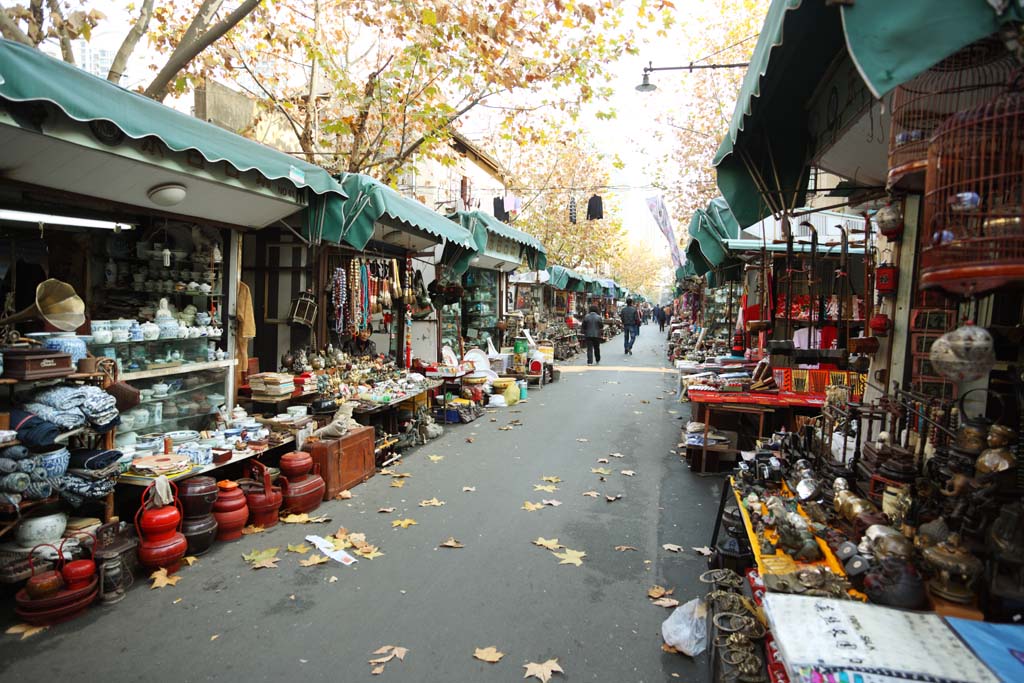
661 217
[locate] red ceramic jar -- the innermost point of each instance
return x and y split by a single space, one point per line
264 499
296 465
78 573
159 524
304 495
200 532
230 510
197 496
166 553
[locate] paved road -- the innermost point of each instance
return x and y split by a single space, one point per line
224 621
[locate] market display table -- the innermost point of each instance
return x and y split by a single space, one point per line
237 456
780 399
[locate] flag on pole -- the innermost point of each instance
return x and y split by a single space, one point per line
661 217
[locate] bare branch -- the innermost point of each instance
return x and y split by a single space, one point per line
188 49
130 42
62 32
10 30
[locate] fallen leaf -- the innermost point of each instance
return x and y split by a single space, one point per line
313 560
665 602
624 548
386 510
333 579
26 630
656 592
356 538
549 543
400 653
384 650
574 557
553 503
452 543
190 560
530 507
175 602
542 672
628 473
591 494
300 548
304 518
612 499
266 564
215 636
665 647
377 670
617 455
404 523
161 579
546 488
506 428
673 412
397 483
704 550
488 654
553 480
259 555
494 419
436 458
468 489
582 440
432 503
600 470
672 547
603 461
344 495
400 475
470 439
252 529
644 401
370 552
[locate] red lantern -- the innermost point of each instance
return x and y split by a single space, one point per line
886 278
880 325
161 543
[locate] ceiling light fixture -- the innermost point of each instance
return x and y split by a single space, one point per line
48 219
168 194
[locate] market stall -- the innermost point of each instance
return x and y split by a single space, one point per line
122 221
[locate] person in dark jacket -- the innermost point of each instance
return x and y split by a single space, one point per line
593 328
659 315
631 322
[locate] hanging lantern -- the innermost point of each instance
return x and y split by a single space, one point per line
880 325
890 221
887 278
303 311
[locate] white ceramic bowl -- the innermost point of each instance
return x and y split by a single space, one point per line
32 531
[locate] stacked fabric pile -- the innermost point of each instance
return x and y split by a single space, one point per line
271 385
69 407
22 476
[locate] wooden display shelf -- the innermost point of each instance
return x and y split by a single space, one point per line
178 370
138 480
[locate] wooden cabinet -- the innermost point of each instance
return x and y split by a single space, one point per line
345 462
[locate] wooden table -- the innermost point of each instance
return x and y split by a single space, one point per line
238 456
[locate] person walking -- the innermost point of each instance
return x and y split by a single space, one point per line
659 314
631 323
593 335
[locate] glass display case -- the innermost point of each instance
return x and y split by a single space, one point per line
451 326
480 306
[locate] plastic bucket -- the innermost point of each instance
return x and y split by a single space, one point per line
521 345
523 384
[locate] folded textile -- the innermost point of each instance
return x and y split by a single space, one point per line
16 482
7 435
92 403
39 474
85 459
65 419
111 470
76 490
33 431
7 466
27 466
37 490
18 452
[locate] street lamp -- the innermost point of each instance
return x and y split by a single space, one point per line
647 86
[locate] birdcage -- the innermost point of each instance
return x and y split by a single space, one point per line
971 76
973 236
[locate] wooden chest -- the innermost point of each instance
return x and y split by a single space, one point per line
36 364
345 462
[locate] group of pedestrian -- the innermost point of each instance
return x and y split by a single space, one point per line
632 318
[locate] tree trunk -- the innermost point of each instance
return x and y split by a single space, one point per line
309 131
130 41
62 33
189 48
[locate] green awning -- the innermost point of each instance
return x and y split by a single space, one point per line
559 277
456 258
709 228
28 75
763 161
370 202
533 250
892 42
568 279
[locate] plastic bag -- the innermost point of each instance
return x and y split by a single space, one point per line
686 629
